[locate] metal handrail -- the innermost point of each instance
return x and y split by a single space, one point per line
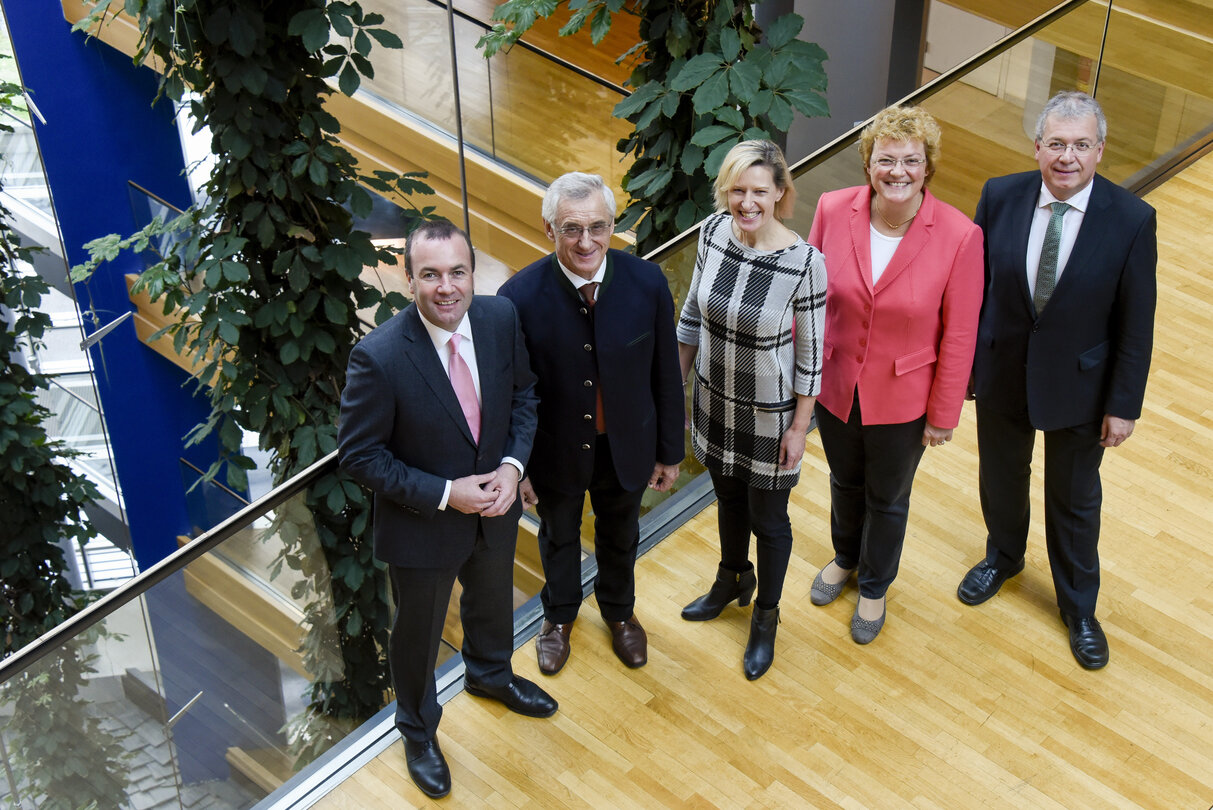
848 138
551 57
55 638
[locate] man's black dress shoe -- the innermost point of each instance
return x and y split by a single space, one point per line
983 581
519 695
1087 641
428 767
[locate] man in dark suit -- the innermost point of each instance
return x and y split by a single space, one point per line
437 418
1063 347
599 326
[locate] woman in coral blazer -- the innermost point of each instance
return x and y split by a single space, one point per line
903 297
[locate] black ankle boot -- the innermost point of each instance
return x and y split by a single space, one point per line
760 650
729 585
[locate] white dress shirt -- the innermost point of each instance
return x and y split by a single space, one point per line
467 350
578 282
1069 229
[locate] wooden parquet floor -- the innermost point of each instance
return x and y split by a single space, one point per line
952 706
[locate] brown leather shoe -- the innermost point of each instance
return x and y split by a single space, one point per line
629 642
552 646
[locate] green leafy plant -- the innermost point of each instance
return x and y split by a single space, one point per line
706 79
265 276
60 755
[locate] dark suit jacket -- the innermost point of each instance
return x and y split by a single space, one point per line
403 434
1088 354
628 348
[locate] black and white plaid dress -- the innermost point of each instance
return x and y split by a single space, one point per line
740 311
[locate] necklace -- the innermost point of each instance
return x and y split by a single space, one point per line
890 225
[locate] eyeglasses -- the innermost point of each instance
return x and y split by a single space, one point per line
910 163
573 232
1058 148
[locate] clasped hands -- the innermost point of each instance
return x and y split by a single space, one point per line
489 494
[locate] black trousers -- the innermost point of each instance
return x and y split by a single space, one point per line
1073 499
871 472
486 609
616 536
741 510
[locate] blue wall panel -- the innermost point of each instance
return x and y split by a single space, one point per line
102 131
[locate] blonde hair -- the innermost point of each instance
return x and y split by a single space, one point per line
756 153
902 124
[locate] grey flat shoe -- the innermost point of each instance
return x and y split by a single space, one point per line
822 593
863 631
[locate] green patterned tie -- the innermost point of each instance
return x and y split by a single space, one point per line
1046 273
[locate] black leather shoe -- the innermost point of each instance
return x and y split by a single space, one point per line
983 581
428 767
1087 641
729 585
760 649
519 696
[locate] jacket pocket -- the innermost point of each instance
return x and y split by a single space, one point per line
914 360
1093 357
638 339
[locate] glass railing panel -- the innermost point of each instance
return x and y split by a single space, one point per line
1155 83
183 694
21 166
76 420
507 102
86 723
528 93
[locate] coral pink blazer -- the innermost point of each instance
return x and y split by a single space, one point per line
906 342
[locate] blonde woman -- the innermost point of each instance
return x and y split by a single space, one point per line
752 328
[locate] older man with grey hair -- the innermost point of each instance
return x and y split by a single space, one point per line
599 327
1063 347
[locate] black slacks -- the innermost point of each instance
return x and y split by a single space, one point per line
616 537
742 509
1073 499
871 472
486 610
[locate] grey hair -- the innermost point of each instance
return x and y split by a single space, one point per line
1071 104
575 186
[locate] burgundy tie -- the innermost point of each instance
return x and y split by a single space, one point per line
465 387
587 293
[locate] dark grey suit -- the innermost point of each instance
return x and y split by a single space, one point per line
403 435
1085 356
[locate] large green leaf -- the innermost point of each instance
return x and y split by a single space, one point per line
636 101
713 134
697 71
712 93
313 26
730 44
744 79
784 30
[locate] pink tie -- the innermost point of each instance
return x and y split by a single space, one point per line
465 387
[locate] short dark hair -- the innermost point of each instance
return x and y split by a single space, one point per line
438 230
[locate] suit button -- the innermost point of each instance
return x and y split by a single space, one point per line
585 447
863 341
585 311
589 417
588 383
867 325
588 347
859 358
